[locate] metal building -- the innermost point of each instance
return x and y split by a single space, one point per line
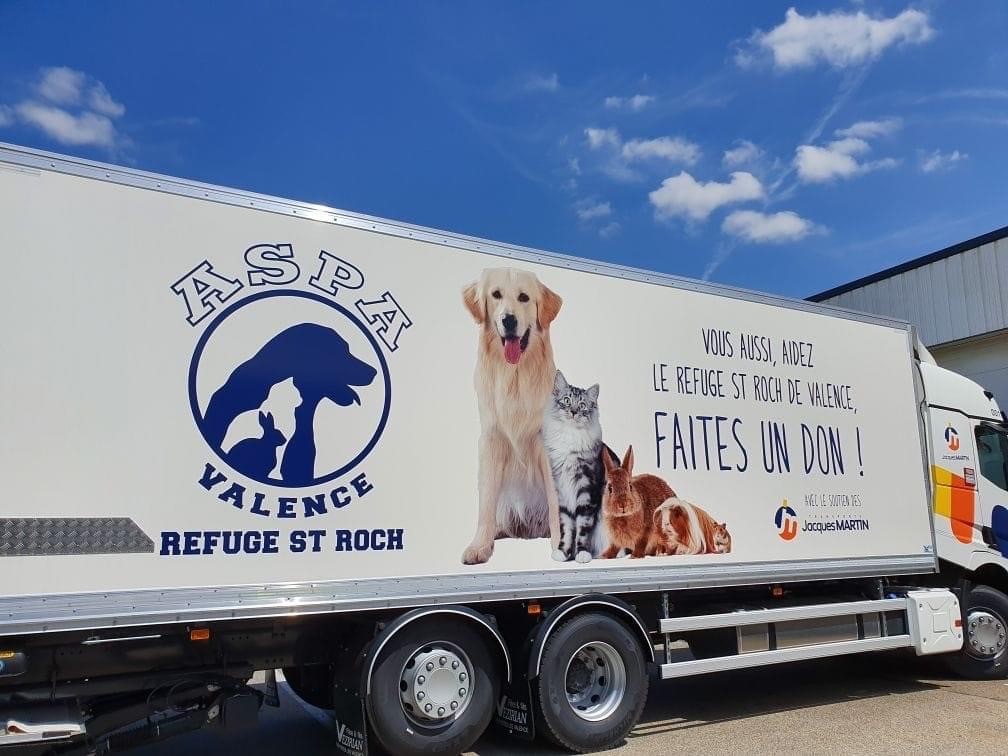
958 299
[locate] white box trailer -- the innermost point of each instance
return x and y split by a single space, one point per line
244 433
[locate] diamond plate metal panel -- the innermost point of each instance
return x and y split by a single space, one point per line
53 536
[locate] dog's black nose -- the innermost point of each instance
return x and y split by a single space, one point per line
510 323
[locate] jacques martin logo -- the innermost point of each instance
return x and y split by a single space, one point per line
786 521
952 438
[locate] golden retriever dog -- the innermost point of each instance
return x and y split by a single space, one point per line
514 378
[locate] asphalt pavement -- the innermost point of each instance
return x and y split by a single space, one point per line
875 704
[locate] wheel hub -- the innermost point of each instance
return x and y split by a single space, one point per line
985 633
595 681
435 685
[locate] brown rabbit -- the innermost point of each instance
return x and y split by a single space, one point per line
628 505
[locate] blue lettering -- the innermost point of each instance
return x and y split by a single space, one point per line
340 497
169 543
257 507
314 505
210 538
343 540
361 485
191 545
234 493
395 539
286 509
211 477
270 539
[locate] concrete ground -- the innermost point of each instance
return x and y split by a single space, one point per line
878 704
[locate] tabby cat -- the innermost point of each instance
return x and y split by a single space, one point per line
572 436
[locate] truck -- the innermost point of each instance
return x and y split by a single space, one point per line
438 481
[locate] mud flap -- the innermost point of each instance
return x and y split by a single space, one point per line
514 713
514 709
348 710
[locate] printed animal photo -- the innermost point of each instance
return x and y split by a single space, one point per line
682 528
513 379
544 469
629 504
572 435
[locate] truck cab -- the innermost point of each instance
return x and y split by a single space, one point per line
968 455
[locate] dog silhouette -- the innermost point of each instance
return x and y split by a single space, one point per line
319 362
256 457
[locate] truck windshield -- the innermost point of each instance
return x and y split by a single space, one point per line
992 451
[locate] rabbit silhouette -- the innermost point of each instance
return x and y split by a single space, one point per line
256 457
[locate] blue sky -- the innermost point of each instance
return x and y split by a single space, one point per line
779 147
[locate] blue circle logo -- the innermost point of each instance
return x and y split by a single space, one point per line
289 388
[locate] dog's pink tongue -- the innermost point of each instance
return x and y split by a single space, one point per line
512 351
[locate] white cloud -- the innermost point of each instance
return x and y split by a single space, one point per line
602 137
70 107
768 228
837 159
746 153
619 160
609 230
635 103
849 146
61 85
674 149
588 210
871 129
542 83
684 196
64 127
101 102
940 161
839 38
65 86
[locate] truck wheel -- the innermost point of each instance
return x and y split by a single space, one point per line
592 684
984 655
433 689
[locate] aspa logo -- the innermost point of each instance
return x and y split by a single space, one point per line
289 388
288 381
786 521
952 438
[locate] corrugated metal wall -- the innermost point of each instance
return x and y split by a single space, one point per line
953 298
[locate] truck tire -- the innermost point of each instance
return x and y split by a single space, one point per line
433 689
592 684
984 655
